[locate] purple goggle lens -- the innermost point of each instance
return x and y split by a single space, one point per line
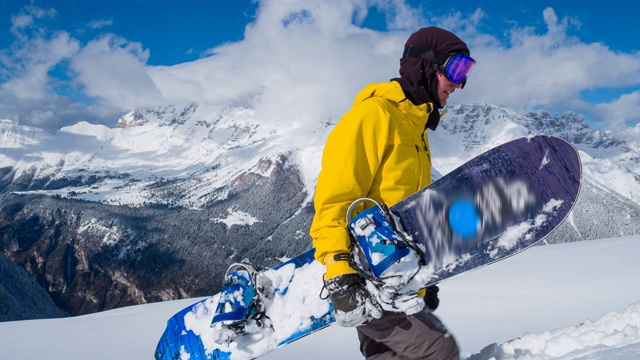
458 67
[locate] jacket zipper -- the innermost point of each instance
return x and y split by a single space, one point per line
421 168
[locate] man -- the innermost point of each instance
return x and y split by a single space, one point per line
379 150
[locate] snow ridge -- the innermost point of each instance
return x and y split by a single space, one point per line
613 330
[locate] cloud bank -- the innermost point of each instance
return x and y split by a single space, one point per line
304 61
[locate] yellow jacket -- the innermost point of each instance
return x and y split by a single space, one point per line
379 149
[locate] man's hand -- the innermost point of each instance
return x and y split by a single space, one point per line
352 302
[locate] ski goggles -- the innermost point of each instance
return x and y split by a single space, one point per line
455 66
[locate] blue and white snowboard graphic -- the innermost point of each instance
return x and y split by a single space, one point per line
492 207
292 306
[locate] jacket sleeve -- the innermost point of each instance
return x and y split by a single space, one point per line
352 156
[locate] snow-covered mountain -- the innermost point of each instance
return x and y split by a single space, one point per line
172 156
157 207
193 153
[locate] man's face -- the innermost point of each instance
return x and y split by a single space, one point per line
445 88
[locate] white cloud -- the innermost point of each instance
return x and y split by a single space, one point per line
99 24
26 18
32 62
304 61
398 14
298 62
548 70
26 88
113 70
621 112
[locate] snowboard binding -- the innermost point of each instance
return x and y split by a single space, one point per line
387 257
382 249
240 307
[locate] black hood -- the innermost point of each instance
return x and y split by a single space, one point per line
418 77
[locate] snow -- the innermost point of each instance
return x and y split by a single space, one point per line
236 217
111 234
519 231
201 148
557 286
613 330
568 301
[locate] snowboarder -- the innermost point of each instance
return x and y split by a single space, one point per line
379 150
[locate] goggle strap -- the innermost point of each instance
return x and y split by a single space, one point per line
425 54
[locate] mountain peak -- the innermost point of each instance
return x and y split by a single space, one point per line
131 119
168 115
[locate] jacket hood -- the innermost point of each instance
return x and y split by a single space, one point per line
418 77
392 91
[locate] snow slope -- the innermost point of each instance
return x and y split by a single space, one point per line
576 300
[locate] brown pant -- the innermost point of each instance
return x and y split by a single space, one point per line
396 336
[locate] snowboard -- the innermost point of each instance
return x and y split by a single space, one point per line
492 207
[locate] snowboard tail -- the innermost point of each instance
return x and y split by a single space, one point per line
224 326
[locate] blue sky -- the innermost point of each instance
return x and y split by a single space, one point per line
174 31
94 60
